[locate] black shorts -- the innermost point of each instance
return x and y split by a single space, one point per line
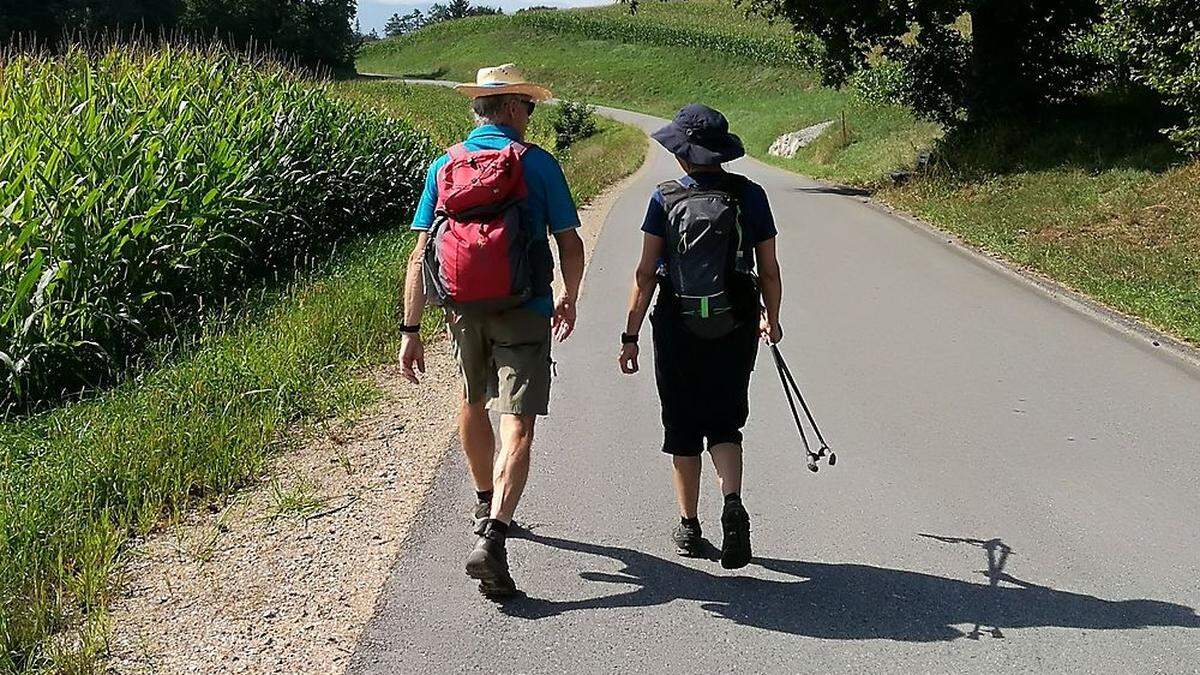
703 385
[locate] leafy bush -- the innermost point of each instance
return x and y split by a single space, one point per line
933 68
140 186
883 83
573 122
1161 39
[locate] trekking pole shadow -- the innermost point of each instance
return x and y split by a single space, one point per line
997 557
845 601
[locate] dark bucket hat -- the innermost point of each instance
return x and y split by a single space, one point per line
700 135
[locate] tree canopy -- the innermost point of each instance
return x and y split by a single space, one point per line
316 33
985 56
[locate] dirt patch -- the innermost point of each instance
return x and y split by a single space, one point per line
284 578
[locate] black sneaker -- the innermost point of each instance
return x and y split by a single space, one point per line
735 525
688 542
483 510
488 562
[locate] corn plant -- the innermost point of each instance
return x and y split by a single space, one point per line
140 186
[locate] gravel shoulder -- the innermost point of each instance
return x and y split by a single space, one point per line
284 577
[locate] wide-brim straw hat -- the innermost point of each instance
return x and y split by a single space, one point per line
505 79
700 135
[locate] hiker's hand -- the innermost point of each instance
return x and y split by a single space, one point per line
628 358
771 333
564 318
412 355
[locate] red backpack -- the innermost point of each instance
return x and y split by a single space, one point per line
477 257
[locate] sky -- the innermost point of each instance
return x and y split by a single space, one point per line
375 13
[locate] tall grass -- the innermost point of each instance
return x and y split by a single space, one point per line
138 186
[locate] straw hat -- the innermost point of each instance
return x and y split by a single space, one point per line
505 79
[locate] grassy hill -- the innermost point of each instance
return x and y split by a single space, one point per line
762 99
1092 195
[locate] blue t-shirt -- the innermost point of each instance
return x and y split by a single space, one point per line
550 207
758 224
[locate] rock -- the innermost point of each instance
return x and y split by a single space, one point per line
787 144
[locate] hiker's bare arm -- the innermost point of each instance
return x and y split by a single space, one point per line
771 285
640 297
412 351
570 258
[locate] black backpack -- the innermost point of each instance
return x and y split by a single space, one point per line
709 262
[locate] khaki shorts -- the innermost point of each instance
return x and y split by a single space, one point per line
504 359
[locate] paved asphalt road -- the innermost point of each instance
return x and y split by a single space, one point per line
972 413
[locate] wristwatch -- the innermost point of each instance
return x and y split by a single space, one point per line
413 328
627 339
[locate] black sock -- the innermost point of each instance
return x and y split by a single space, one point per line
733 497
498 526
484 496
694 522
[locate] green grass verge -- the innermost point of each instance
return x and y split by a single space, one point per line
76 482
1093 198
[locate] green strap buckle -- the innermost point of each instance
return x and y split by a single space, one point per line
703 308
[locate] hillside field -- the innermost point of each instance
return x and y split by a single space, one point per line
1091 195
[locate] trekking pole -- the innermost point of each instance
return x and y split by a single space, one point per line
790 386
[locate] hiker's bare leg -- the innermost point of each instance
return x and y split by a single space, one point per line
727 459
512 465
685 472
478 441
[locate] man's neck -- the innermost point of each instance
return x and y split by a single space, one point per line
519 133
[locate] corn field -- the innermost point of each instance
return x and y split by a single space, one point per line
138 187
724 37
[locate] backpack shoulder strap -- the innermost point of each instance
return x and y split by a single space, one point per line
457 151
521 147
672 192
733 184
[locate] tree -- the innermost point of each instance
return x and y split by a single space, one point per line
1015 56
1160 39
316 33
458 9
402 24
47 22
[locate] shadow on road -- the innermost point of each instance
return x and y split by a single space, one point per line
846 601
842 190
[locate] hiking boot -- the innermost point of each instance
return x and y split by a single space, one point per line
735 525
483 510
687 539
488 562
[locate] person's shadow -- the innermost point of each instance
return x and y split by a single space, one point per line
853 602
